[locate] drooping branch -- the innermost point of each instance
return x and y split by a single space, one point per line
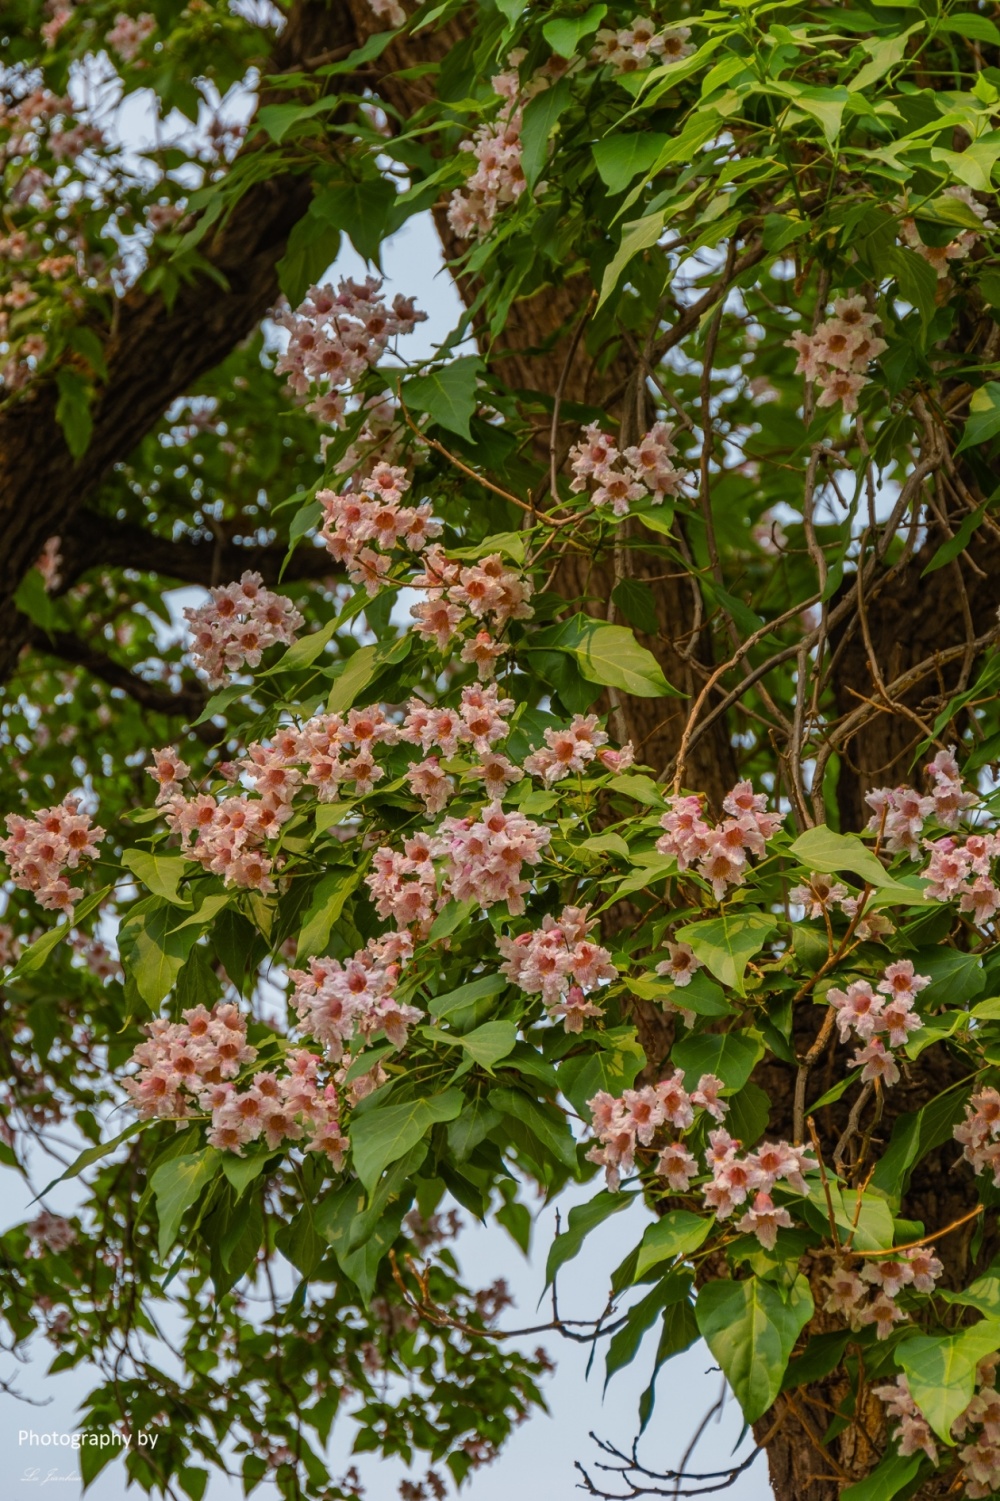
637 1480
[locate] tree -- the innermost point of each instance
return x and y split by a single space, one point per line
590 730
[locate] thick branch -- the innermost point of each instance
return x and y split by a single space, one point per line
94 542
186 703
154 353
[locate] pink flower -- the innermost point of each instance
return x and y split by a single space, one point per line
681 965
764 1220
678 1166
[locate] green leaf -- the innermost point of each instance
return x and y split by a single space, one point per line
362 669
313 246
565 33
606 654
869 1230
486 1045
824 850
637 603
33 599
700 995
326 906
731 1056
306 650
625 1343
94 1154
151 952
637 235
619 158
976 28
470 1004
751 1330
177 1184
916 279
36 955
381 1136
726 944
957 544
613 1067
884 53
886 1480
73 411
161 874
242 1171
362 209
824 105
983 423
540 117
941 1370
549 1127
448 395
679 1332
581 1220
678 1233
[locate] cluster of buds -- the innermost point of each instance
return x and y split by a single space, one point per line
40 850
336 336
560 962
644 472
238 624
718 854
837 356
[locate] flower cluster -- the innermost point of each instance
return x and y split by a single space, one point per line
633 1120
485 857
498 178
881 1019
49 1232
735 1178
718 854
978 1133
363 526
188 1067
237 626
40 850
389 11
871 1297
980 1459
336 1003
640 44
899 813
128 34
837 356
486 590
568 751
958 249
614 479
336 336
560 962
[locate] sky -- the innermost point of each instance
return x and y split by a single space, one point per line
538 1462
